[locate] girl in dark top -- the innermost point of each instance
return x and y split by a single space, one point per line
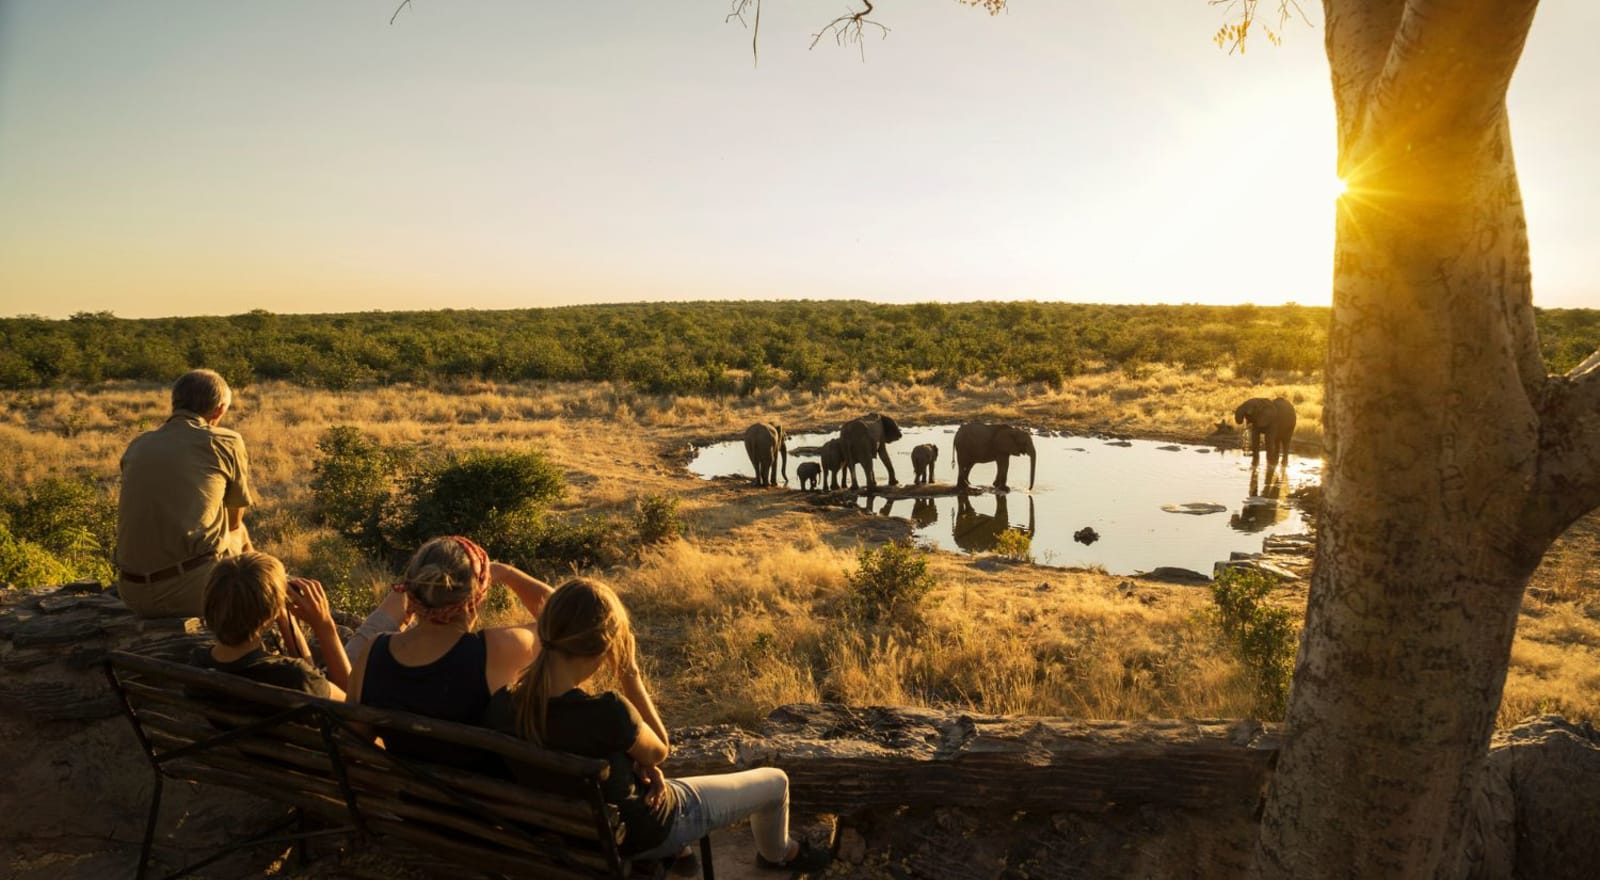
583 628
441 667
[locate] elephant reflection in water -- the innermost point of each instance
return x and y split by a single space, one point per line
977 532
1266 506
923 511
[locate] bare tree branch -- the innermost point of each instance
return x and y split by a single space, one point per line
403 4
737 12
849 28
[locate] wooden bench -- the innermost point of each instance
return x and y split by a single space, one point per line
210 727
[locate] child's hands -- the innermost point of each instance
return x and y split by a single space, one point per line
308 601
654 781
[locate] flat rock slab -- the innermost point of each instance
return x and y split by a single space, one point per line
1171 574
1196 508
54 630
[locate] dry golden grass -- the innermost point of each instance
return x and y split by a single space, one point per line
751 611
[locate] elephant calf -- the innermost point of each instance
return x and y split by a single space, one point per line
1275 420
809 473
922 459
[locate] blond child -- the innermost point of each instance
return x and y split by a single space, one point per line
247 594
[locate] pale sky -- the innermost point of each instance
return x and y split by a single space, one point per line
160 157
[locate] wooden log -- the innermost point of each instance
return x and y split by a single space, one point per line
843 759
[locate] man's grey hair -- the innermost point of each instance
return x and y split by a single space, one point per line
200 392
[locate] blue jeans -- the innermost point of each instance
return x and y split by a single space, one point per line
706 803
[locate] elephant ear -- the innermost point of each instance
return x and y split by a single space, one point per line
891 431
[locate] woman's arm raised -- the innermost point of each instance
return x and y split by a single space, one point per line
530 590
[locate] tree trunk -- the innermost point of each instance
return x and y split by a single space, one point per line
1452 461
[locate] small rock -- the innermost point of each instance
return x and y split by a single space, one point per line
1175 575
83 585
1195 508
1119 443
1044 587
1170 448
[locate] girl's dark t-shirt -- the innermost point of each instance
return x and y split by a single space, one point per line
454 687
595 726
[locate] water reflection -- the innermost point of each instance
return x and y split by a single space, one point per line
1266 505
977 532
1116 488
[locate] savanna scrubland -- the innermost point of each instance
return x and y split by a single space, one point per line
752 605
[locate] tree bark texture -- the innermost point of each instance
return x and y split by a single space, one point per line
1451 460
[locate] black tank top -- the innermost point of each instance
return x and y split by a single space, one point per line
454 687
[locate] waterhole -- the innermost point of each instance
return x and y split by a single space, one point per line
1149 503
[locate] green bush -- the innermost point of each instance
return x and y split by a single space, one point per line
890 581
655 518
1015 545
338 564
71 520
26 564
586 542
1261 635
352 482
496 498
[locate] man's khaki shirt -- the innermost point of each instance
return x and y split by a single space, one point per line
178 482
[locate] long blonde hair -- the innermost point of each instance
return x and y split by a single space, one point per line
582 618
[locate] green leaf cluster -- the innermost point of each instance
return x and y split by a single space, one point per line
1262 636
57 530
890 581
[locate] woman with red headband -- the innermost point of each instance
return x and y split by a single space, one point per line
441 666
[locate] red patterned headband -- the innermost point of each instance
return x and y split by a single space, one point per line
479 559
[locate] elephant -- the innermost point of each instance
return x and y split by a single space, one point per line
1273 418
832 463
922 458
977 532
862 439
765 445
808 472
977 443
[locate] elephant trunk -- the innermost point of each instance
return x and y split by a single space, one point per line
783 456
1033 466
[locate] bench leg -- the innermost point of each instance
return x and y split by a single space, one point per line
706 869
150 830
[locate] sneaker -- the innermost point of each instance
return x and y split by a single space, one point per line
807 858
